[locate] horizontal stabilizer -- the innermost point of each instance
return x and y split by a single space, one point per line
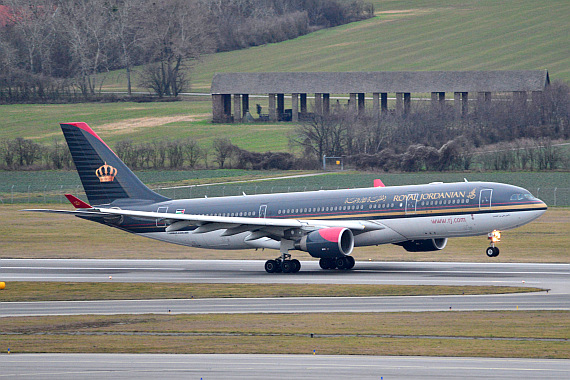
76 202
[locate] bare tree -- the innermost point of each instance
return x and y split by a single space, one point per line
223 148
192 152
128 31
88 24
322 134
175 32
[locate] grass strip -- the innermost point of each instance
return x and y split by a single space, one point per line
25 291
525 334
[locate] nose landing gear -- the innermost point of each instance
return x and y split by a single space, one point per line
495 237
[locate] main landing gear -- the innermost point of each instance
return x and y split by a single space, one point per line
344 263
283 264
495 237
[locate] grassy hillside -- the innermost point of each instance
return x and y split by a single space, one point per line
405 35
140 122
420 35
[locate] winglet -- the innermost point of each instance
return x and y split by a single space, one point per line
378 183
76 202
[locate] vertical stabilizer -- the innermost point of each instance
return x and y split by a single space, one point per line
104 176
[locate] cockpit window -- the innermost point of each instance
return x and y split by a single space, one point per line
520 197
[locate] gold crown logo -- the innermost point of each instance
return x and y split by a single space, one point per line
106 173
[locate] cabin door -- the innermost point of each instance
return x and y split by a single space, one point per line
262 211
485 198
411 202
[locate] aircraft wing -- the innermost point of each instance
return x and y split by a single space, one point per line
273 228
206 223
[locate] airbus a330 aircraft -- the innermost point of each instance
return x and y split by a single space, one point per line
327 224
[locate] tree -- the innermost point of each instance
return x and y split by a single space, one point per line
127 30
175 32
88 24
322 134
223 148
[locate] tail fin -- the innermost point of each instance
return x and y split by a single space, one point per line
104 176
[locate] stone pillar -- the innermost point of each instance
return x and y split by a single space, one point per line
272 110
303 103
217 108
376 104
361 100
294 108
280 106
399 102
384 102
237 108
483 97
318 104
460 100
326 103
352 102
244 104
434 100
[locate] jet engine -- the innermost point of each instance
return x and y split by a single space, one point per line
424 245
327 242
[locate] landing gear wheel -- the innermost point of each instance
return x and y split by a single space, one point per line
351 262
343 263
271 266
492 251
287 266
297 265
279 268
326 263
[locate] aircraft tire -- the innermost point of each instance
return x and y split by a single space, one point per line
297 265
342 263
351 262
327 263
496 249
271 266
490 251
287 266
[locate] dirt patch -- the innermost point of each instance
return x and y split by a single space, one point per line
129 125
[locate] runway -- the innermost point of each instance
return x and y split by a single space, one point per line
555 277
129 366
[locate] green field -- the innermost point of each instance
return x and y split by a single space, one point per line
140 122
404 35
505 334
411 35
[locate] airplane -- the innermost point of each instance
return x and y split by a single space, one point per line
328 224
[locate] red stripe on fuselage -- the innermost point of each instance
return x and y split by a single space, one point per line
87 128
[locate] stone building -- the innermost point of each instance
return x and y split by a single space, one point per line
402 84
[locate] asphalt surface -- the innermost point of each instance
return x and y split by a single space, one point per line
158 366
554 277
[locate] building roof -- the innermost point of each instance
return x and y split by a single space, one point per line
379 81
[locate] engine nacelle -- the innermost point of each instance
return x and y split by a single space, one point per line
424 245
327 242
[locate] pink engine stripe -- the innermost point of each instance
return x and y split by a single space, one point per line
331 234
86 128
